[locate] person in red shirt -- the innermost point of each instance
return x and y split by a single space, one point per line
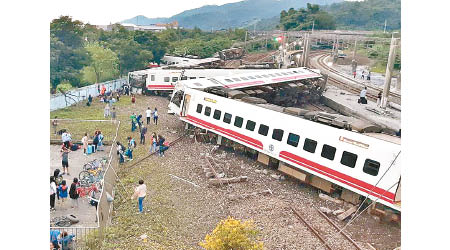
133 99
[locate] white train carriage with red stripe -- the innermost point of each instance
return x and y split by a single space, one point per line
366 164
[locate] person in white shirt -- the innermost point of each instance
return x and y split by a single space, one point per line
84 140
140 192
149 114
66 138
362 96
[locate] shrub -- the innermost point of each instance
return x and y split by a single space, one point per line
232 234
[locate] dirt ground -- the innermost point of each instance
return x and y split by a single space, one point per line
179 214
85 212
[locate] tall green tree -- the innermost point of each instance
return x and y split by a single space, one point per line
103 66
304 19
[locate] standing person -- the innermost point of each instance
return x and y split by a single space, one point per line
143 132
161 145
362 74
66 138
106 112
89 99
368 76
66 241
354 74
133 122
113 114
131 146
379 99
148 114
100 141
62 190
140 192
154 142
139 122
73 194
118 96
120 151
362 96
54 238
155 116
84 140
52 193
133 99
98 88
65 159
95 141
55 124
103 89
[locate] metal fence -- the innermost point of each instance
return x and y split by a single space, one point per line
92 237
59 101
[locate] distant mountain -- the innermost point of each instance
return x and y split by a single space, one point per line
231 15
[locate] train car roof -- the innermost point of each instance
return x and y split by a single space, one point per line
252 78
385 137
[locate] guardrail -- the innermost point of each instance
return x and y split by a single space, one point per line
59 101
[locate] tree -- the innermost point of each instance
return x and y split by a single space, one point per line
104 65
67 31
232 234
303 19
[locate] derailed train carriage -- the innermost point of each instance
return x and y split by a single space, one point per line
336 155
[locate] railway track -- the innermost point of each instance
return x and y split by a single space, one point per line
354 86
325 230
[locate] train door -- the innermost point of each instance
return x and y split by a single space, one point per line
187 99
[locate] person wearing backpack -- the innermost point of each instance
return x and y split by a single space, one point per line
131 146
62 189
73 194
161 145
66 241
100 141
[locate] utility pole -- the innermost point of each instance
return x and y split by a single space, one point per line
307 48
354 49
389 69
245 41
266 39
312 30
385 22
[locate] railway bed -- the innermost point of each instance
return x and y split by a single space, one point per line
348 83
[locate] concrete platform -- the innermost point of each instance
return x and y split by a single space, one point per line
85 212
347 104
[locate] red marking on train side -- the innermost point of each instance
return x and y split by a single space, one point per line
229 132
160 86
294 77
243 84
343 178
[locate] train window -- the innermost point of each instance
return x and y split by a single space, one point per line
184 78
199 108
166 79
310 145
348 159
250 125
272 75
227 118
238 121
277 134
152 78
371 167
237 79
251 77
328 152
295 71
293 139
263 129
174 79
192 78
207 111
284 73
228 80
265 76
201 77
244 78
258 76
278 74
217 114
